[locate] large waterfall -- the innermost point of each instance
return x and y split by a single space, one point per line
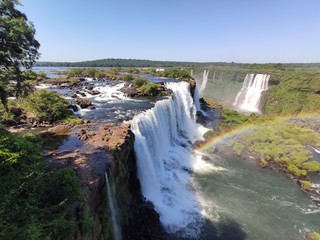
249 96
163 138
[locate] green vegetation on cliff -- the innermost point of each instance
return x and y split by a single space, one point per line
295 92
35 199
274 143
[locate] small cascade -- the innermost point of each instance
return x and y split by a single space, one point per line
163 137
113 209
249 96
197 102
214 76
204 81
109 92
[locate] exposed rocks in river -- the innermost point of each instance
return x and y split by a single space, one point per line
83 102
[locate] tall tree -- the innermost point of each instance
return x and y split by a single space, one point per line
18 46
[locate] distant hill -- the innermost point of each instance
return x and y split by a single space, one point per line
118 62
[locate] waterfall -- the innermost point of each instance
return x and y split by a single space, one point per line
197 102
113 210
249 96
163 147
204 80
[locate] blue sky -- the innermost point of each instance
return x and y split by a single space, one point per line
190 30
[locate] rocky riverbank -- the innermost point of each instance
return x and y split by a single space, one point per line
90 152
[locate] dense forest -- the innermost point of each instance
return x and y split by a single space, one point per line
119 62
112 62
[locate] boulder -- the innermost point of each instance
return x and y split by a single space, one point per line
83 102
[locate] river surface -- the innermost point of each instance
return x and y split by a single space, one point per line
243 201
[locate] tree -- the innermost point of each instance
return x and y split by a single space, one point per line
18 46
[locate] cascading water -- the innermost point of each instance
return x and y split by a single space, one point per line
204 80
249 96
163 138
113 209
197 102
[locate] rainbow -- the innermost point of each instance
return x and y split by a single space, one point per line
216 140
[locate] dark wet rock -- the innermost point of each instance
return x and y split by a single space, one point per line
17 111
89 87
198 143
19 116
73 107
81 93
83 102
94 92
201 118
73 95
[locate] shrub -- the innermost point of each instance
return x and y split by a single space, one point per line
139 81
127 77
150 89
75 72
72 119
208 134
46 106
296 171
176 73
311 166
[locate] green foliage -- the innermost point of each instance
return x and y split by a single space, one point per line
306 184
42 75
296 171
175 73
231 116
139 81
311 166
72 119
112 62
127 77
46 106
18 47
75 72
91 72
150 71
209 134
150 89
279 142
33 202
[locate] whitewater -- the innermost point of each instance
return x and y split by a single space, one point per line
163 147
249 97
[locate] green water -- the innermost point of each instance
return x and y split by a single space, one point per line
243 201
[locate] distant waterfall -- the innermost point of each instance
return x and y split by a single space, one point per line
113 210
163 137
249 96
197 102
204 81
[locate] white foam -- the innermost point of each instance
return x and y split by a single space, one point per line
43 86
164 155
